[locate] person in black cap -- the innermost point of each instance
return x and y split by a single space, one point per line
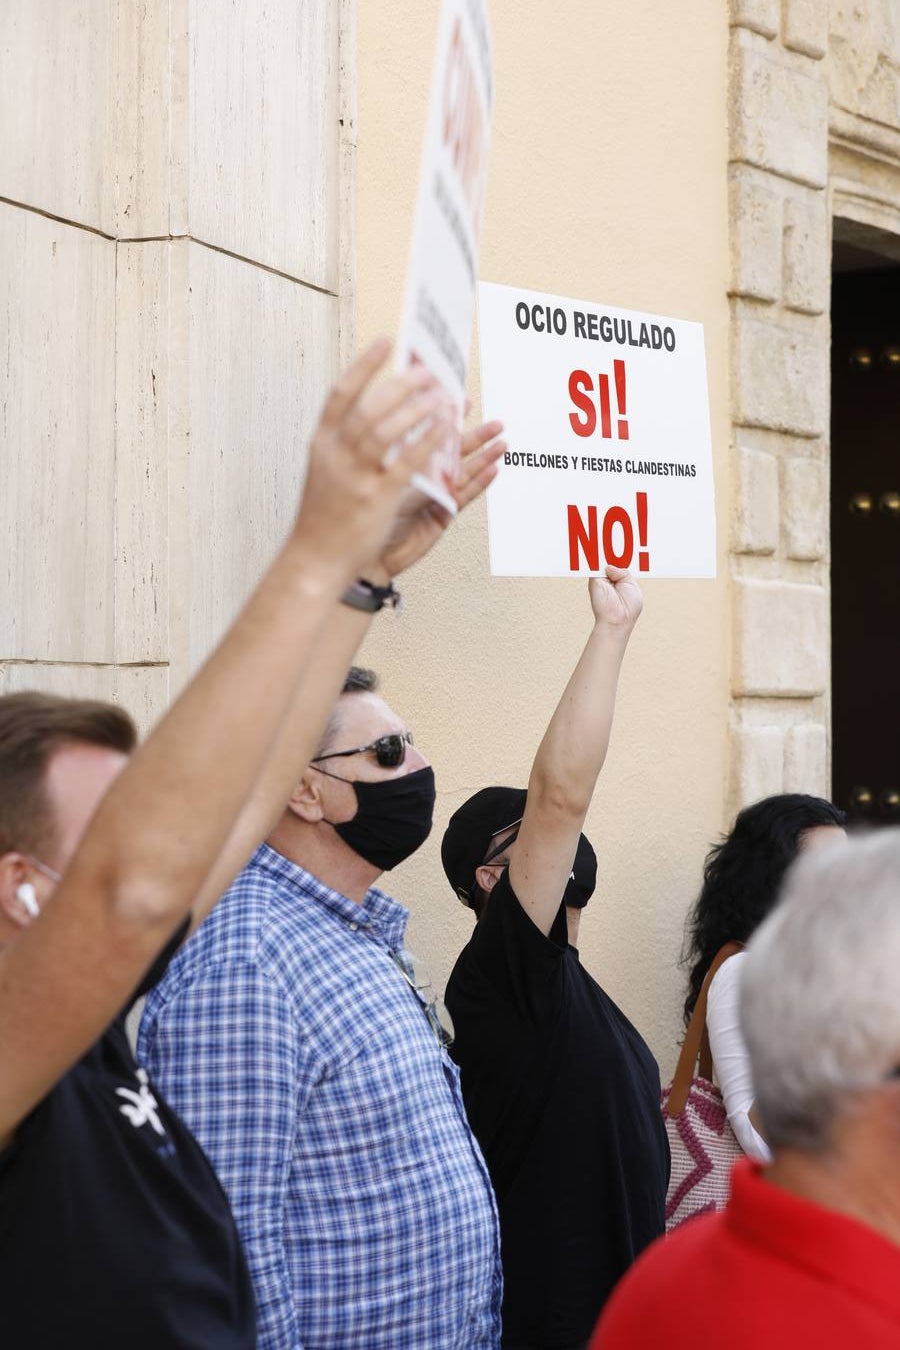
561 1091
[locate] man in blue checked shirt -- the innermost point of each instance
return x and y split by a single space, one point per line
305 1048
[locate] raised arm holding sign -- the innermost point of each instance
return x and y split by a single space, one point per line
560 1089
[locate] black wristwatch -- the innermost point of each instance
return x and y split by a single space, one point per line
365 595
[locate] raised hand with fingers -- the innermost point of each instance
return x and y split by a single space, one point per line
419 523
368 444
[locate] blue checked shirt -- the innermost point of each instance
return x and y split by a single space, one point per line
291 1044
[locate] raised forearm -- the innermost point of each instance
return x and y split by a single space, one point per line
574 746
197 767
313 698
155 837
572 752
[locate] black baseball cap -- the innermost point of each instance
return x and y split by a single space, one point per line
490 812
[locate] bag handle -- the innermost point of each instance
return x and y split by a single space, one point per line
696 1038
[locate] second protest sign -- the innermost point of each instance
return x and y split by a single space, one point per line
607 419
436 325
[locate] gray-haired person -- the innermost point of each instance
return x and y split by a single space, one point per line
808 1250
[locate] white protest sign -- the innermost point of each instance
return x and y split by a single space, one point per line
606 412
436 325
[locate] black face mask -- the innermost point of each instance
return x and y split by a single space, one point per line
393 817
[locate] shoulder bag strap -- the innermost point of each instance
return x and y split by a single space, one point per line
696 1039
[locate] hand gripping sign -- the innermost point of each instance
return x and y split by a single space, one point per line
436 326
606 413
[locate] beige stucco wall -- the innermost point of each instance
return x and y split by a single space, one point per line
607 182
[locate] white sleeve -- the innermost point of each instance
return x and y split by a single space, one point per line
731 1063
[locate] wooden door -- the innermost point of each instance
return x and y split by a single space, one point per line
865 544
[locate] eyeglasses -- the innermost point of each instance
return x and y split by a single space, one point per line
389 751
417 977
493 853
488 860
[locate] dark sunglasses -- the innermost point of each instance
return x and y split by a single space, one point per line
389 751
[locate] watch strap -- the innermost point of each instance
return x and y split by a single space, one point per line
365 595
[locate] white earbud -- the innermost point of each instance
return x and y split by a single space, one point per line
26 894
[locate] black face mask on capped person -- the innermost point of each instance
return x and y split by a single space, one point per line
393 817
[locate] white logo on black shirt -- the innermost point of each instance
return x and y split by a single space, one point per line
141 1107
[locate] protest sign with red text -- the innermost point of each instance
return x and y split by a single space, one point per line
436 325
606 412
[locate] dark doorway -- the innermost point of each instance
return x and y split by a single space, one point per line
865 528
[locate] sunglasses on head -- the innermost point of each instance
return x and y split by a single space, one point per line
492 853
389 751
497 849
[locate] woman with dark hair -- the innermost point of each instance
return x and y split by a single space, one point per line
742 879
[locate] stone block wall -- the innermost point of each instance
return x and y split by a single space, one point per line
814 134
778 179
175 274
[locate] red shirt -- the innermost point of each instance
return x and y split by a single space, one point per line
772 1271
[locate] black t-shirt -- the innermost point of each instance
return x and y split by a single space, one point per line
114 1229
563 1096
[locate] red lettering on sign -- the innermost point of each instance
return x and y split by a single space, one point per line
581 391
579 386
617 551
605 416
619 373
617 515
643 555
587 540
